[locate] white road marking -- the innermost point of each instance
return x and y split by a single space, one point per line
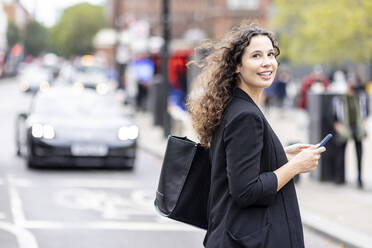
86 195
98 183
15 203
80 183
24 237
109 204
111 225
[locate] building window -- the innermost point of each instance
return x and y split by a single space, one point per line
243 4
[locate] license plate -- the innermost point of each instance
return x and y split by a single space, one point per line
89 150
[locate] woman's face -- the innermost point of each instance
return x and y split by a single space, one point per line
259 64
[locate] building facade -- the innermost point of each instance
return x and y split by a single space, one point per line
212 17
16 12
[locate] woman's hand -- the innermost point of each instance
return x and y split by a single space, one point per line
307 160
293 150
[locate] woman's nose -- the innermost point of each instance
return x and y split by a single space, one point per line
266 61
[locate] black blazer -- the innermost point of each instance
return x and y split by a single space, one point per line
244 208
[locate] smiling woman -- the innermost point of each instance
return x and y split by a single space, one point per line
226 64
258 66
252 200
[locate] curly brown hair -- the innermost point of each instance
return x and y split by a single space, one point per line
213 87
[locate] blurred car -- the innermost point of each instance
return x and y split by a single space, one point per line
73 127
34 78
88 74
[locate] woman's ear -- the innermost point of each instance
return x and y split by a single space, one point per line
237 71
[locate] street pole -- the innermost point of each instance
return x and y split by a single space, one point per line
166 20
118 26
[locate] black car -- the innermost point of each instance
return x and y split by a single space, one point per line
74 127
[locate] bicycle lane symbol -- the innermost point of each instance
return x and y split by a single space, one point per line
111 206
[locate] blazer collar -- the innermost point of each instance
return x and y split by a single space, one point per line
242 94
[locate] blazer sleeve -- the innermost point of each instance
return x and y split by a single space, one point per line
243 138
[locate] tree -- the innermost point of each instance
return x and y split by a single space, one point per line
13 34
35 39
73 34
321 31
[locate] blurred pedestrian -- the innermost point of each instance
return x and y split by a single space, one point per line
252 200
280 88
144 72
350 112
339 84
315 80
268 98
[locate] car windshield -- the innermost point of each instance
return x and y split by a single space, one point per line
86 105
35 73
90 69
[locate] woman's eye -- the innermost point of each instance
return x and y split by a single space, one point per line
256 55
271 54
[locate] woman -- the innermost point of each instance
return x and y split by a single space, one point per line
252 199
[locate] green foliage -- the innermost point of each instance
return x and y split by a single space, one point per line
73 34
35 39
321 31
13 35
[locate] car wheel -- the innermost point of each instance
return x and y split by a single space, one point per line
31 164
18 145
18 151
129 164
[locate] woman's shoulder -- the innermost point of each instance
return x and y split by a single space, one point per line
238 106
239 109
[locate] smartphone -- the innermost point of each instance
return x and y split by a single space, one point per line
325 140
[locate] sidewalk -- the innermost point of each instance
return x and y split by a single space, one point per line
342 212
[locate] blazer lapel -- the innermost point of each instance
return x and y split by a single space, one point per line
241 94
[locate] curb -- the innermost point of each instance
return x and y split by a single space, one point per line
337 232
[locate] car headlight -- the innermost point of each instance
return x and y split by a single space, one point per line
37 130
48 132
128 133
102 88
79 86
24 86
42 131
44 86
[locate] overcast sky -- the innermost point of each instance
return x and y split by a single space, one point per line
48 11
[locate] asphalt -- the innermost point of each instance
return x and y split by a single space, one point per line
341 212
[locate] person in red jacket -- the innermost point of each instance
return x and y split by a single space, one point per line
315 77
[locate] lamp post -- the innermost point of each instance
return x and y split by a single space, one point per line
166 20
118 28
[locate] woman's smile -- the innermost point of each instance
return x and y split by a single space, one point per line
265 75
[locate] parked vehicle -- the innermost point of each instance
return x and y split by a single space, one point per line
67 126
34 78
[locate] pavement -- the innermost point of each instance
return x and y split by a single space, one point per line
340 212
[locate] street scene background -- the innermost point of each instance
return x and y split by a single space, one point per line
90 91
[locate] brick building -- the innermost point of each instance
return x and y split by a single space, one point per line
16 12
214 17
